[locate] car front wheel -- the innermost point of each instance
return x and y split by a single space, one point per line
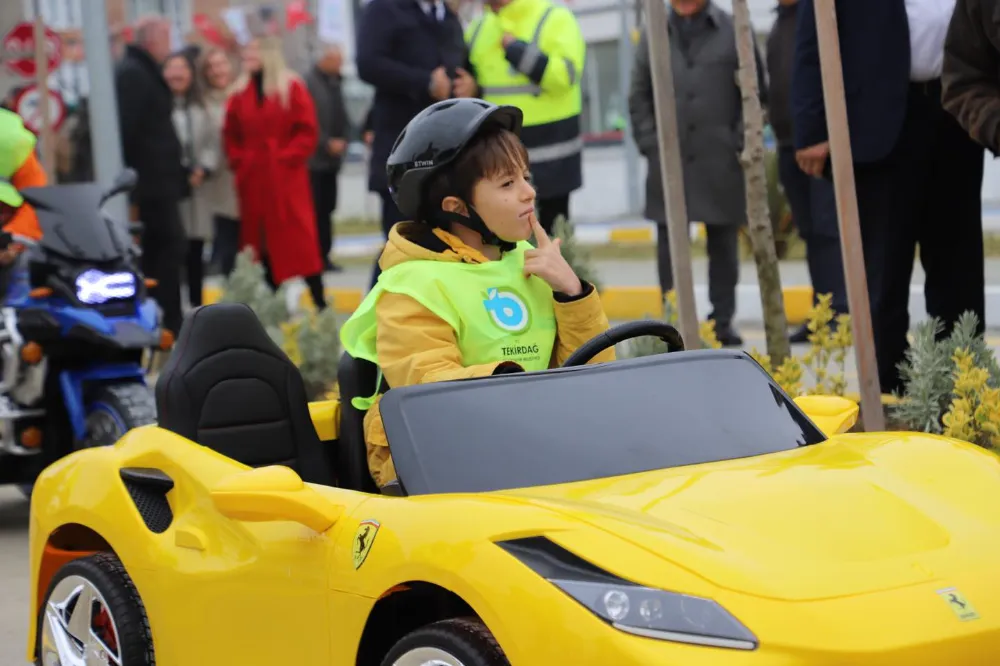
92 614
455 642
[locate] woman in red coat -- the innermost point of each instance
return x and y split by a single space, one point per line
270 133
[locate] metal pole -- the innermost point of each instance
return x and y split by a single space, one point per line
624 69
103 104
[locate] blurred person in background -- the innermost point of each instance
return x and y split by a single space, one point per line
970 77
269 135
21 167
814 207
918 175
710 122
150 146
530 54
324 82
216 74
201 143
410 51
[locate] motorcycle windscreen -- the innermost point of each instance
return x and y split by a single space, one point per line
73 224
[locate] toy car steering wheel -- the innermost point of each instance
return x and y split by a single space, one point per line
623 332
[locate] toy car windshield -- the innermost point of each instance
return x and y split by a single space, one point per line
573 424
73 224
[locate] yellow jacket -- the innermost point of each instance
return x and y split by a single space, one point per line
415 346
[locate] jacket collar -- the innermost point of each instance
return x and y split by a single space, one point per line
516 10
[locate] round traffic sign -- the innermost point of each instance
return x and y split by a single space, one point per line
19 49
28 105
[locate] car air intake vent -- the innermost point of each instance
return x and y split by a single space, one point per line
550 560
148 489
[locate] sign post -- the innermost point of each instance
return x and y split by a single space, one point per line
672 170
42 81
847 215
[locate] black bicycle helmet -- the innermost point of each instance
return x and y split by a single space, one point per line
431 141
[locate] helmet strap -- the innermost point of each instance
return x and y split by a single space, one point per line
475 223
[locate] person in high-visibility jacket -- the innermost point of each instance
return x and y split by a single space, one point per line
19 169
530 54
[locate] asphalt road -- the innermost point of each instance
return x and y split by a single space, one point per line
13 576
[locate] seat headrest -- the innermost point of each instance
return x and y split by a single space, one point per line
210 329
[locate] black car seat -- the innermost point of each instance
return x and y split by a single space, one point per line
229 387
355 377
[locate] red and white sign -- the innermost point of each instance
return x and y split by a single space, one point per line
28 105
19 49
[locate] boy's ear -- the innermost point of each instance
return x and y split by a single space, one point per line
454 205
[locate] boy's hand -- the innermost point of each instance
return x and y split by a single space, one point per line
547 262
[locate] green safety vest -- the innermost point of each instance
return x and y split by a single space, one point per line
16 145
496 312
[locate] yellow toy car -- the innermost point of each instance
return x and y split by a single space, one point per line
673 509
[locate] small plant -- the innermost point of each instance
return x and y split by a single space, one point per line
974 413
827 344
311 340
930 384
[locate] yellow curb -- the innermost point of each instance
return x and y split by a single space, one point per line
632 235
210 295
627 303
798 302
345 299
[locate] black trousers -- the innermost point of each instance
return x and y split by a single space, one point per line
814 210
390 216
195 271
314 282
927 193
324 191
163 252
550 209
723 268
225 243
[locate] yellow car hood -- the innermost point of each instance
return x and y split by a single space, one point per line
853 515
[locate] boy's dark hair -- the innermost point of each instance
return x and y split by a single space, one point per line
493 152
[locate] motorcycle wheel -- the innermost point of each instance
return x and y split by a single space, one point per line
114 410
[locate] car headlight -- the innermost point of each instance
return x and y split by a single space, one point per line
94 287
643 611
660 614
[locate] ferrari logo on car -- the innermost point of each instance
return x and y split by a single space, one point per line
363 540
959 604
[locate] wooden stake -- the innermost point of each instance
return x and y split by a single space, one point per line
847 215
772 300
672 171
42 81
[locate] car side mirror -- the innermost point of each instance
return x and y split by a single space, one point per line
831 413
274 493
124 182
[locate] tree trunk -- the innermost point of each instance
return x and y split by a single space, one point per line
759 219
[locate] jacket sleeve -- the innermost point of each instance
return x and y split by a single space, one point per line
577 321
323 115
970 88
130 89
808 111
232 135
641 105
25 221
556 64
375 62
302 140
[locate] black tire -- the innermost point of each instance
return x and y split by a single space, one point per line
107 574
466 639
114 409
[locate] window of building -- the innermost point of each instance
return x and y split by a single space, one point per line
604 109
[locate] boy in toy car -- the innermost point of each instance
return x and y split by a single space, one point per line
462 293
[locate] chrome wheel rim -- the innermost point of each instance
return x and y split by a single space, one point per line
78 628
427 656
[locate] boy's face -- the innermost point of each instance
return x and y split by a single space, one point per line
506 202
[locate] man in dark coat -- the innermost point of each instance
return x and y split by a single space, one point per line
324 82
151 147
710 123
410 51
814 207
918 175
971 72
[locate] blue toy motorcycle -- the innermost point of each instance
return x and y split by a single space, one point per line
74 325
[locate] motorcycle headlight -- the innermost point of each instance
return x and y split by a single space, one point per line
660 614
94 287
632 608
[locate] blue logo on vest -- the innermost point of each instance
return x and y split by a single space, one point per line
507 310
